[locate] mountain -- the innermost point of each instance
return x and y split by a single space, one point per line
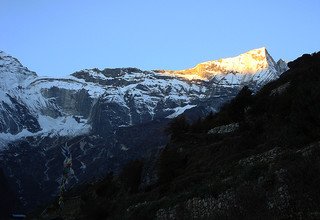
253 66
256 158
104 118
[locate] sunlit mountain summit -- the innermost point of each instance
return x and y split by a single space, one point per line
256 64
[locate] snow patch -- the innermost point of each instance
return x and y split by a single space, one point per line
61 126
180 110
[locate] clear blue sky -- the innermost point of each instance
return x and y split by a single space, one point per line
62 36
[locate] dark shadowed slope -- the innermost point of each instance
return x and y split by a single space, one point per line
258 158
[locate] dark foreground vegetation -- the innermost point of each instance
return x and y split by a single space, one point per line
258 158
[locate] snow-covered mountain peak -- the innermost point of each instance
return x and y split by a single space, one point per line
121 96
248 63
260 52
282 65
12 72
6 60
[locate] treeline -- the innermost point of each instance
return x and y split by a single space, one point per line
231 112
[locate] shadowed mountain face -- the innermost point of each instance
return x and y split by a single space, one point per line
258 157
106 117
8 201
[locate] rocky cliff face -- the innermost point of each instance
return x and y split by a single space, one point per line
257 158
105 117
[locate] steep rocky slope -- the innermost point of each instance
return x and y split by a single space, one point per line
257 158
105 118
